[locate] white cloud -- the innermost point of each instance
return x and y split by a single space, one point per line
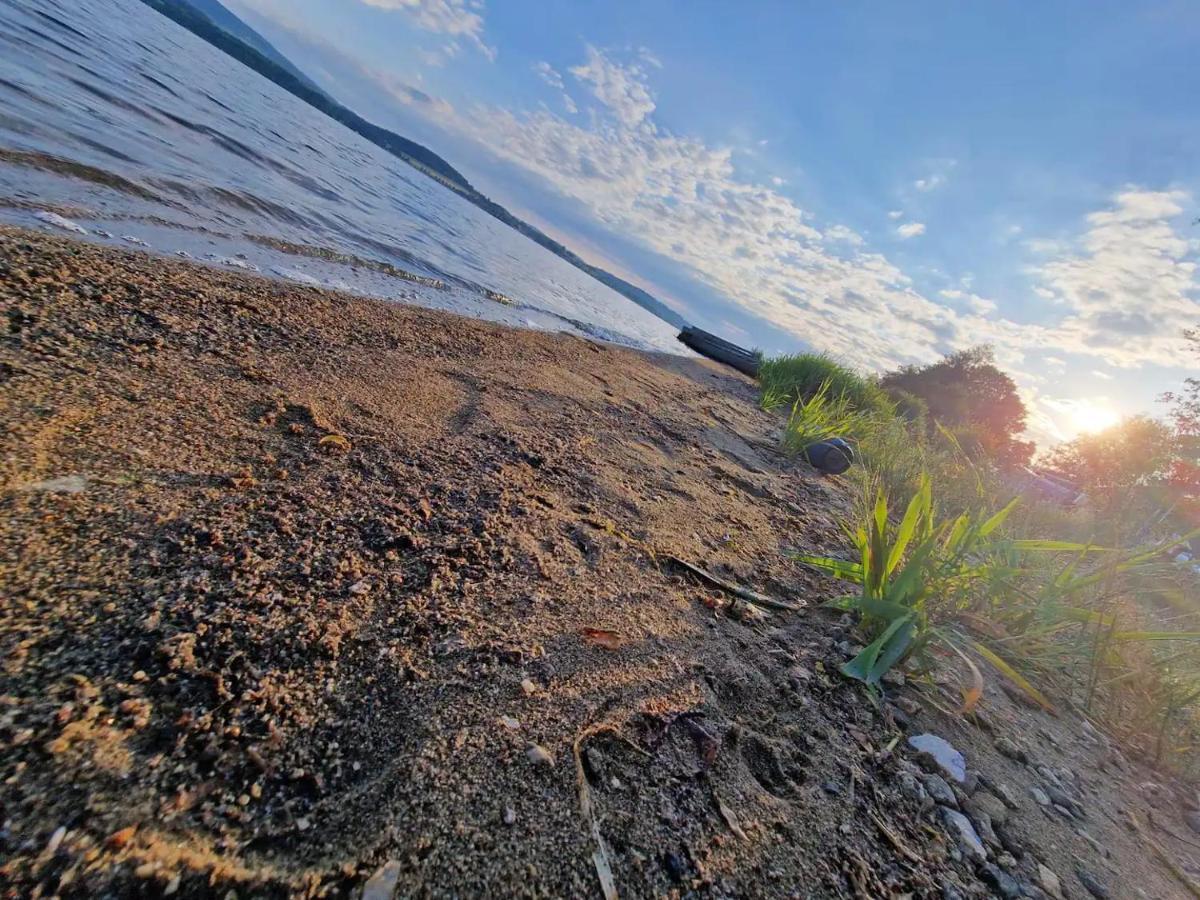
911 230
895 214
1128 284
549 74
939 173
622 88
778 182
457 18
842 233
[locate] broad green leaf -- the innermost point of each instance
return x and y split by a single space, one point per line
918 507
881 654
998 519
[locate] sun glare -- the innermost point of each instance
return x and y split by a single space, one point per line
1088 416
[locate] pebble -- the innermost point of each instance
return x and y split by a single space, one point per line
983 825
942 752
1040 796
1011 750
1049 882
1092 842
382 885
911 787
1092 885
539 755
510 815
56 840
941 792
1005 793
510 723
1192 818
988 804
964 833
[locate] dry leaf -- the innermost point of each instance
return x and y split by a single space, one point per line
730 819
334 443
609 640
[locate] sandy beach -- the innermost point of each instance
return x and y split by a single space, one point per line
302 590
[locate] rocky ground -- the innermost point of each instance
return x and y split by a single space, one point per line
311 595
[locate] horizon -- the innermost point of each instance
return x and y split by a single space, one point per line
910 183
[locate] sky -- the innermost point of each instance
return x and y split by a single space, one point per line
884 182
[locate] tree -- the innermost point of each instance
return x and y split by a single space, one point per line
1185 416
1107 464
967 393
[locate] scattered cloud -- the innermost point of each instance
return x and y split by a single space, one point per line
842 233
896 214
976 304
1128 284
549 74
911 230
939 174
458 18
778 182
552 77
621 88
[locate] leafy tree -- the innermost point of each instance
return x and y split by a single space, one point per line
1108 465
1185 416
967 393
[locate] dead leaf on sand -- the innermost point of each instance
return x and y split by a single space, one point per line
609 640
334 443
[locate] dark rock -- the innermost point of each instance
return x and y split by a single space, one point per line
939 790
674 865
1000 881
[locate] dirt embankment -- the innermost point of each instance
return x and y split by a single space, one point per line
301 589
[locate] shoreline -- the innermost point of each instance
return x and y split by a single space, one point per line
303 589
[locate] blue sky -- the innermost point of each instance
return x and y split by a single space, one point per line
887 182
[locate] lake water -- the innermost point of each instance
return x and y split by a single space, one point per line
161 141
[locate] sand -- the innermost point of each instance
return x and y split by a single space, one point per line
302 589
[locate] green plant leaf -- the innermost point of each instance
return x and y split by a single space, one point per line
918 507
882 653
998 519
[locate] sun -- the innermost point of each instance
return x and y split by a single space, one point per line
1088 416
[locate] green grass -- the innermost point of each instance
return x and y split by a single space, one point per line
1027 592
786 379
819 417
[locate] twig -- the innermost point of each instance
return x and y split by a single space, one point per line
894 839
600 858
735 590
